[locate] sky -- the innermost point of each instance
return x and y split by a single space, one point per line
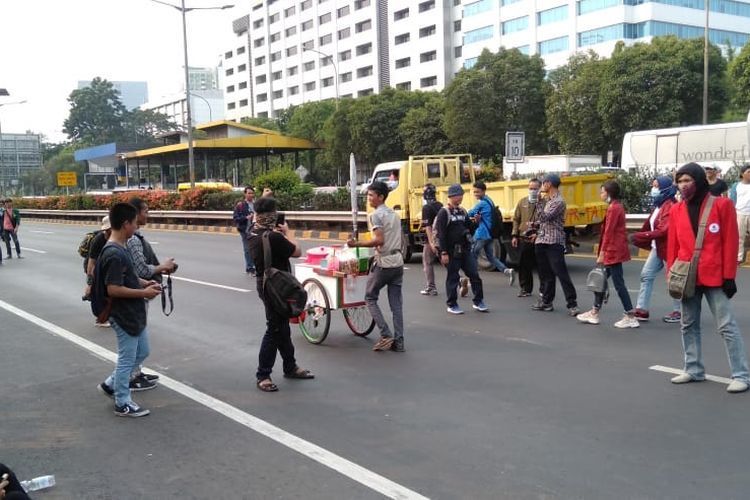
47 46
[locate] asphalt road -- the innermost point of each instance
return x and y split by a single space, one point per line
513 404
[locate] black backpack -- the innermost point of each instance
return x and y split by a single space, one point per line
496 230
85 246
283 291
101 303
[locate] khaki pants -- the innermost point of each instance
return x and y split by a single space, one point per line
743 225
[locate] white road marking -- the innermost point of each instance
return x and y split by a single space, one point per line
372 480
27 249
41 232
206 283
154 242
677 371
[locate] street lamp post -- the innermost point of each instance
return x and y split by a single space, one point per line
2 169
705 65
335 70
210 111
183 10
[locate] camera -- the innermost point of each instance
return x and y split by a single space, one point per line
530 232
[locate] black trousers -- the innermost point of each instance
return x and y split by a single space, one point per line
278 337
526 266
14 489
551 262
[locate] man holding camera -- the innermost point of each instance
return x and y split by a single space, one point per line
524 235
454 244
148 268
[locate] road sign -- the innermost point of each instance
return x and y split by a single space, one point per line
66 179
515 146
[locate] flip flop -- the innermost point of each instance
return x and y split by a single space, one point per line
300 374
269 387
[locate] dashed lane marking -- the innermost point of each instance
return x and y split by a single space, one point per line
677 371
41 232
32 250
215 285
366 477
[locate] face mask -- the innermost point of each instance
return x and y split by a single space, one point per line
688 191
655 192
533 195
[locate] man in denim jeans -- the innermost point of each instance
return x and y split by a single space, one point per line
385 231
716 271
483 240
128 315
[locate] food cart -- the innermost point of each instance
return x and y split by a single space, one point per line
331 286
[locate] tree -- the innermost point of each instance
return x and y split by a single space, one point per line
659 85
573 121
261 122
503 91
307 121
422 129
739 78
142 126
96 114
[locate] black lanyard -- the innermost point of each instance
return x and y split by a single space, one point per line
166 290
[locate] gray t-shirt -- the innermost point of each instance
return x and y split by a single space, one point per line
387 255
117 268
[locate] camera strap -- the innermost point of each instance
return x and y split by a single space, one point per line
166 295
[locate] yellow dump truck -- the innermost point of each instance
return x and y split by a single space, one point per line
407 179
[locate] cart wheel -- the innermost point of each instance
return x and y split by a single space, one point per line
359 320
317 317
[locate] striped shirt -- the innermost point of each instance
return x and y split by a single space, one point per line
552 222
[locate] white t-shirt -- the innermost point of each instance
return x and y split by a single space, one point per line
651 222
743 198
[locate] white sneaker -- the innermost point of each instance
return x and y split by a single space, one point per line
737 386
628 322
684 378
591 317
106 324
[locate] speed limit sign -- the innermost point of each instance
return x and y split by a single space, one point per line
515 145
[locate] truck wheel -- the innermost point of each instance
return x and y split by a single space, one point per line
406 248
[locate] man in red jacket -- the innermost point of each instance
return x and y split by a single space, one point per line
717 268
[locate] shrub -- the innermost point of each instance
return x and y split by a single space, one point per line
636 185
281 180
223 201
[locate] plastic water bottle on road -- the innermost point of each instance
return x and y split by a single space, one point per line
38 483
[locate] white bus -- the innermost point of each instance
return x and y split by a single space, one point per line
724 145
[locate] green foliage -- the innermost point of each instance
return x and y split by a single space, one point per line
307 120
225 200
280 180
267 123
739 75
490 172
141 126
96 114
636 186
340 200
423 129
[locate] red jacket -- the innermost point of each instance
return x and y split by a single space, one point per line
644 237
718 259
613 242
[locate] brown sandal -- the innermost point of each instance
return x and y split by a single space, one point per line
267 385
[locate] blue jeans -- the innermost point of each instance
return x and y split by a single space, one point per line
393 278
131 352
615 272
487 245
249 264
718 302
650 270
468 264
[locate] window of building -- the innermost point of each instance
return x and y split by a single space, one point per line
554 45
278 94
293 90
243 103
363 93
292 71
305 5
326 39
325 18
427 31
458 51
474 8
307 25
363 49
402 38
346 77
230 89
425 6
260 79
259 42
363 72
243 85
322 1
363 26
290 11
273 18
552 15
260 60
257 24
514 25
291 51
401 14
229 72
361 4
343 11
261 97
275 37
404 86
428 56
308 66
325 61
430 81
228 55
345 55
308 45
469 63
327 82
345 33
290 31
456 3
240 50
456 26
276 75
241 68
230 105
276 56
523 49
310 86
403 63
478 35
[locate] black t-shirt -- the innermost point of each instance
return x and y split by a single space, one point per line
117 268
718 188
96 245
281 250
429 212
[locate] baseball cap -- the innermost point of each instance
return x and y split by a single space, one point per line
553 179
105 223
455 190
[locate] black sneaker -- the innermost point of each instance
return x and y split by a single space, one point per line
541 306
140 383
398 345
131 410
150 376
106 390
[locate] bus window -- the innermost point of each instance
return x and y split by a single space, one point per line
666 151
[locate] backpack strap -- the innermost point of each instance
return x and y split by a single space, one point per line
266 252
702 224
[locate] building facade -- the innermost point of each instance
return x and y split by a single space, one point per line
287 52
205 105
132 94
203 78
19 155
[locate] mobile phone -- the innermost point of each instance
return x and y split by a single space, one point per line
280 218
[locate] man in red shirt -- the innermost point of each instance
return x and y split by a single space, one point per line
717 268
